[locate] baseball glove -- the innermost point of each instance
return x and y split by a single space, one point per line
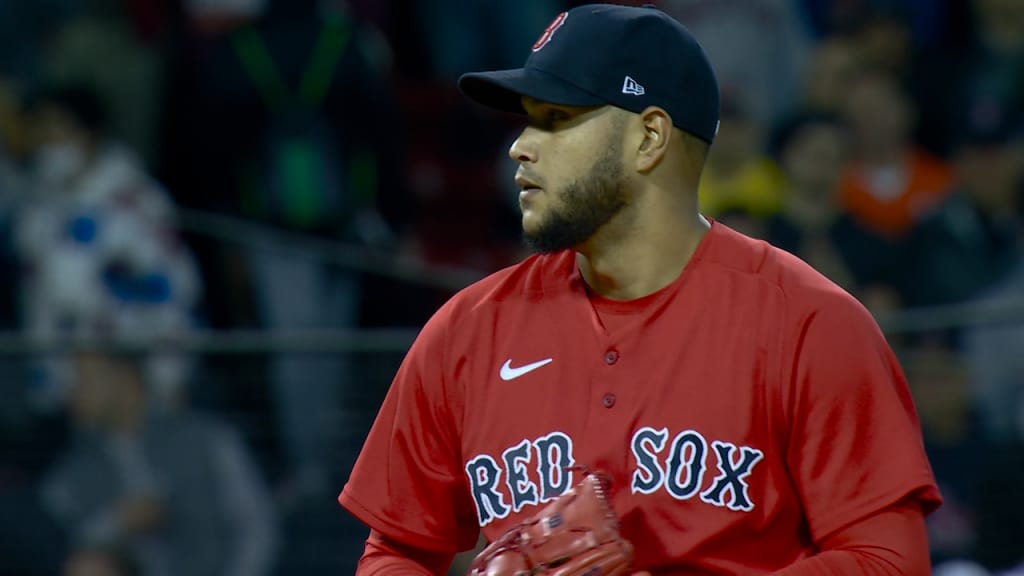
575 535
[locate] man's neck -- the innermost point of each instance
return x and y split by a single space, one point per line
633 263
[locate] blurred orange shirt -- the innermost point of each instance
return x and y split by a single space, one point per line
890 201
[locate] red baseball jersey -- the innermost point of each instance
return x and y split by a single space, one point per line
743 412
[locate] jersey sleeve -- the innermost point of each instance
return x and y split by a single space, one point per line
855 444
408 482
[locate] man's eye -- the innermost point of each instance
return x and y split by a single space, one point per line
550 119
556 116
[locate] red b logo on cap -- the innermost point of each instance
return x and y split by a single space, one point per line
550 31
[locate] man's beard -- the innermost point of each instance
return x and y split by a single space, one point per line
585 206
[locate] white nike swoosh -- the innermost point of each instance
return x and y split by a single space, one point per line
510 373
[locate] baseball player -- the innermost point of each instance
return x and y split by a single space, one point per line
748 412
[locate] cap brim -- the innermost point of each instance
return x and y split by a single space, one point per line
503 89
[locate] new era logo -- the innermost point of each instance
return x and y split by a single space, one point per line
630 86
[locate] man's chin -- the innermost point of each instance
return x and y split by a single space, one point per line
546 243
533 228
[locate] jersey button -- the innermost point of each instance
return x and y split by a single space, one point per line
608 400
611 356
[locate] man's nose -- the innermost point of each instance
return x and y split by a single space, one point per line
524 148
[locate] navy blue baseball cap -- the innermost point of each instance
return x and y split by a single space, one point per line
598 54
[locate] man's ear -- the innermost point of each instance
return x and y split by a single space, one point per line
657 130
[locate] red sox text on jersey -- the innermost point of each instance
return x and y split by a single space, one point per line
536 471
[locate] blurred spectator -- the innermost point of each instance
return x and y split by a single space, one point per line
176 490
957 451
929 21
11 184
887 42
314 167
24 29
211 115
833 68
496 34
80 51
888 185
971 240
462 210
97 242
31 543
292 110
811 150
891 182
884 40
994 355
12 133
978 477
739 176
758 48
991 80
101 562
994 348
215 16
465 207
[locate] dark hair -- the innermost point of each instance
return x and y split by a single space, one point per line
78 100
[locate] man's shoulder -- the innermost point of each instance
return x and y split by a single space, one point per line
527 281
467 318
803 287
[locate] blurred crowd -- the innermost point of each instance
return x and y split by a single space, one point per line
880 140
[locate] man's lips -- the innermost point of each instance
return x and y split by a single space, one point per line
526 185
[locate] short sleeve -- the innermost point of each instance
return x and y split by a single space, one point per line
855 444
408 482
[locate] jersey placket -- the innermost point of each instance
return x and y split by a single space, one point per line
608 410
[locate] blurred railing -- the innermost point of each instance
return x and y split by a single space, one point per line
228 342
415 272
237 231
935 318
398 340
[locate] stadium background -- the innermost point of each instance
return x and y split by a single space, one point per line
318 187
